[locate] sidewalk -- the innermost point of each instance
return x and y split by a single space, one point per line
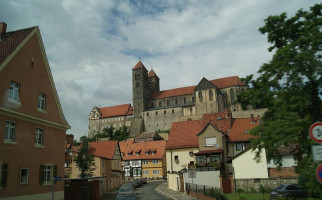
163 188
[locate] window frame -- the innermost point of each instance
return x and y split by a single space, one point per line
3 174
156 170
39 132
211 95
14 91
46 174
27 174
242 146
155 162
10 133
210 144
41 102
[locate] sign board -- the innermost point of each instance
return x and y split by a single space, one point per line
315 132
318 173
317 152
57 178
192 174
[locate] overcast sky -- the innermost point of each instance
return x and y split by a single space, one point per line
93 45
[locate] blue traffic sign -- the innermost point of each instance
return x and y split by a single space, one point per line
57 178
319 173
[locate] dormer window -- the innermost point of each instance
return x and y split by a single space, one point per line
138 152
153 151
147 152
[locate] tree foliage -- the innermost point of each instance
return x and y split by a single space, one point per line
84 160
289 86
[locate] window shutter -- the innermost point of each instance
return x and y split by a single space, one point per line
4 174
55 171
41 174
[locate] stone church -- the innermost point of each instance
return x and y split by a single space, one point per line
155 110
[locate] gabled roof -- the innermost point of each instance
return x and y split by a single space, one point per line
119 110
184 134
11 40
219 83
10 44
129 146
221 121
149 135
103 149
139 65
152 74
240 129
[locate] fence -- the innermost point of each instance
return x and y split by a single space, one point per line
202 191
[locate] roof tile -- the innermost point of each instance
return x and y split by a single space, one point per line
103 149
119 110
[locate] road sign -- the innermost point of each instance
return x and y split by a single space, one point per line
317 152
192 174
319 173
315 132
57 178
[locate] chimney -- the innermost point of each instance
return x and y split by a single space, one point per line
3 29
252 118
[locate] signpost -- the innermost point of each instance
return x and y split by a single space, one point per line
315 133
55 179
192 174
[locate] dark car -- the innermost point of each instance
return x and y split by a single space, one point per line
137 183
127 197
143 180
126 190
288 190
129 184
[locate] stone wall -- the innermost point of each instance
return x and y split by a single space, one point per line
247 113
270 183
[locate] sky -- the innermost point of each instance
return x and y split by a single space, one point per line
92 45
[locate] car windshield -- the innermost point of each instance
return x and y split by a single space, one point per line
279 187
125 189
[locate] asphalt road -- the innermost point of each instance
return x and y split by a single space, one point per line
145 192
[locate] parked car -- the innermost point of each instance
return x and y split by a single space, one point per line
126 190
129 184
143 180
288 190
137 183
126 197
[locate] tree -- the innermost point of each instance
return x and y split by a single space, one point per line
289 86
84 160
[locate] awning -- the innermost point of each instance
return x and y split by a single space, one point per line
209 152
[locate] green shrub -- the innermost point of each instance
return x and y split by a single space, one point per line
242 197
252 189
219 196
262 189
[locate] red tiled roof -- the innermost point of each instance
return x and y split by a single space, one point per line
138 65
184 134
103 149
209 152
11 41
119 110
130 146
240 129
220 83
152 74
221 121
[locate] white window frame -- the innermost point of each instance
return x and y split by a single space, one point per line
10 131
215 157
156 172
39 136
41 101
210 141
145 162
242 146
27 175
155 162
145 172
14 91
201 159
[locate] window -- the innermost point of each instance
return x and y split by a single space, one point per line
146 172
152 105
66 164
214 158
3 174
147 114
164 112
232 96
193 99
176 158
146 153
160 104
210 95
239 146
184 100
176 102
39 136
129 154
200 96
41 101
137 76
14 91
10 131
46 173
201 159
145 162
24 175
155 172
138 153
172 110
155 162
153 152
156 112
211 142
168 103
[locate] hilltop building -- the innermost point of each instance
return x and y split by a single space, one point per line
33 126
155 110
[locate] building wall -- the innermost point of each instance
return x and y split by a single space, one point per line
173 181
208 178
24 153
210 132
232 149
184 158
246 167
287 161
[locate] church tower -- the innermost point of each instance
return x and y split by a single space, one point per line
140 89
154 81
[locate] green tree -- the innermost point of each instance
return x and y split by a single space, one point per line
289 86
84 160
121 134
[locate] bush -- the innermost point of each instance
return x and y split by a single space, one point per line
219 195
242 197
252 189
262 189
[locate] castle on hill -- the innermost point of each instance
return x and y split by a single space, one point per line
155 110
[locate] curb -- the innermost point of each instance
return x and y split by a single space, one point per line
164 193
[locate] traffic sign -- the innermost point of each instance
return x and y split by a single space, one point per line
318 173
57 178
317 152
192 173
315 132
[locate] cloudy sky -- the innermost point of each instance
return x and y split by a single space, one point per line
92 45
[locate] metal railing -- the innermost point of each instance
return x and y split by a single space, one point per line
203 189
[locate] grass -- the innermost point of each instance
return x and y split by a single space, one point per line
249 196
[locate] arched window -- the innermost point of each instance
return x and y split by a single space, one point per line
200 96
232 96
172 110
164 112
152 105
168 103
160 104
210 95
193 99
176 101
156 112
147 114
